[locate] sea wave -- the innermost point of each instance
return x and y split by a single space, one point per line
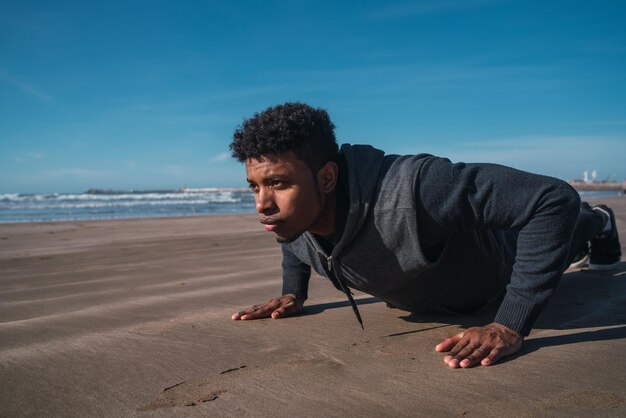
119 204
208 195
15 207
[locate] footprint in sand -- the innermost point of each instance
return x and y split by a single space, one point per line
588 399
193 392
199 391
307 363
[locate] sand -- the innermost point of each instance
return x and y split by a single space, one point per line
132 318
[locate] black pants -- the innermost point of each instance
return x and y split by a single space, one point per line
488 290
590 224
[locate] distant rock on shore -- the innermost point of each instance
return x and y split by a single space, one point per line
594 186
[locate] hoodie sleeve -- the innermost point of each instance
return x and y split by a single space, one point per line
461 197
296 274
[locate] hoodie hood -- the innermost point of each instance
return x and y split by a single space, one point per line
363 164
362 185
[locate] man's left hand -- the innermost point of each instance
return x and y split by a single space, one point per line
484 345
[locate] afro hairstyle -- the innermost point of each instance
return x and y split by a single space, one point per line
297 127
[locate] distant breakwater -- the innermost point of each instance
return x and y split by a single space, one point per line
598 186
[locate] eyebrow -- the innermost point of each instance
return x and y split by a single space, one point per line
270 178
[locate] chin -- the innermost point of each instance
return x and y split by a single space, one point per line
286 240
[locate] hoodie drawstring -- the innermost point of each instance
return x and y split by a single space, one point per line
338 279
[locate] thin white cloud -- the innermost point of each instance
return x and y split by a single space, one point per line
221 157
390 80
29 156
173 170
24 87
77 173
221 97
615 122
560 156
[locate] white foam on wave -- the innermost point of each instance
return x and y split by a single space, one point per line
95 205
10 197
219 196
16 207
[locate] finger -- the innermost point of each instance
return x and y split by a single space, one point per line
284 300
259 312
476 356
256 315
278 313
502 351
448 343
495 355
464 352
460 346
459 351
451 361
241 313
290 308
458 354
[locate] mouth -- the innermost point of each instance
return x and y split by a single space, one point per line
270 224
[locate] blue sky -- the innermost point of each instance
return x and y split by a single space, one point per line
146 94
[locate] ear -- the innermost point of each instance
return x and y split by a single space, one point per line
327 177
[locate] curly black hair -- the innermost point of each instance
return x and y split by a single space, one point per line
297 127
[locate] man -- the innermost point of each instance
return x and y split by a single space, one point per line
419 232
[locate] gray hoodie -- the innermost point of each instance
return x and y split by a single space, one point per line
427 235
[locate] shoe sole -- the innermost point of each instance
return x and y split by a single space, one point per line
580 263
601 267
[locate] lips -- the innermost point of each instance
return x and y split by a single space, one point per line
270 224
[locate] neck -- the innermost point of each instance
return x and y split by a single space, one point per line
326 223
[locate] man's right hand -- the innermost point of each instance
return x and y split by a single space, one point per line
285 305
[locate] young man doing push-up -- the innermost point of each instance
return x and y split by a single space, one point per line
417 231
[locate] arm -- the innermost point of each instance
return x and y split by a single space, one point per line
296 276
465 197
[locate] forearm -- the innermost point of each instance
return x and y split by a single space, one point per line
296 275
484 196
296 287
542 256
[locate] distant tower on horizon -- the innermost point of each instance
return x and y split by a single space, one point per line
586 176
594 174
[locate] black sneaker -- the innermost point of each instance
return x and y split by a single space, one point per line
581 259
606 251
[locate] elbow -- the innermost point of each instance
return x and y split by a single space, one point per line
573 197
569 200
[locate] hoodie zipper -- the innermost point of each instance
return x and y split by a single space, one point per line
339 278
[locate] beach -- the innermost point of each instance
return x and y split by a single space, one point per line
132 318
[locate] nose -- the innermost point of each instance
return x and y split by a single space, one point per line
264 201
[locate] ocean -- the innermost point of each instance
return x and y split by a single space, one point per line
102 204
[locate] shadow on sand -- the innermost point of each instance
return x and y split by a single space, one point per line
584 299
321 307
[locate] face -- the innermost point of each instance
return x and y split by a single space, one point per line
289 198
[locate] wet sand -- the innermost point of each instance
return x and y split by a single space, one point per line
132 318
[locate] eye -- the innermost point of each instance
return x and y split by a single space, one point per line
253 187
278 184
